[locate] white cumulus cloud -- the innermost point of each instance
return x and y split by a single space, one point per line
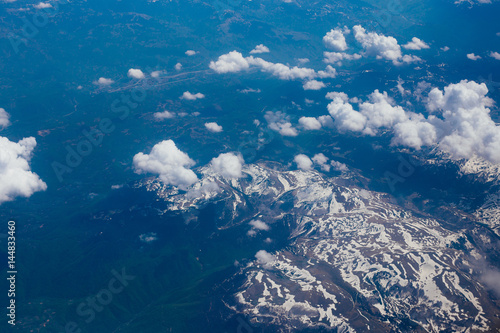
416 44
265 258
164 115
135 74
213 127
310 123
104 81
472 56
335 39
303 162
4 118
261 48
228 165
382 47
313 85
168 162
259 225
495 55
16 177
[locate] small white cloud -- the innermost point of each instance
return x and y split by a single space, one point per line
337 166
261 48
168 162
43 5
231 62
190 52
303 60
213 127
310 123
416 44
472 56
303 162
495 55
164 115
4 118
228 165
445 49
16 177
249 90
322 161
191 97
313 85
148 238
265 258
104 81
178 66
280 122
156 74
135 74
259 225
335 39
251 232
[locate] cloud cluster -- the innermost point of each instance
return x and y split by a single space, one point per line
228 165
257 225
191 97
234 62
459 122
378 112
168 162
4 118
382 47
319 160
16 177
280 122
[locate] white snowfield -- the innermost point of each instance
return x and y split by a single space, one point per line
356 261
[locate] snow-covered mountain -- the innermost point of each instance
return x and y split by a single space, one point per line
355 260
